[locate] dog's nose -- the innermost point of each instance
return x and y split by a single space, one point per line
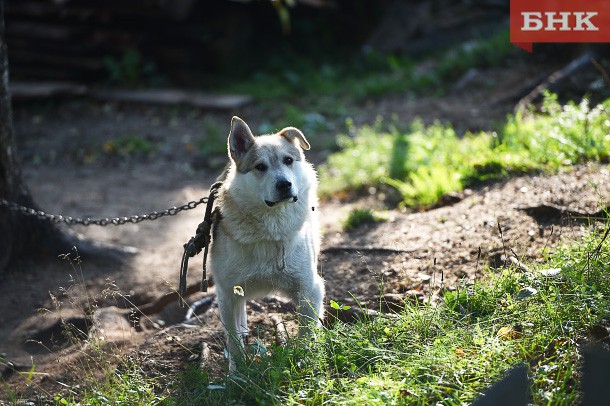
283 185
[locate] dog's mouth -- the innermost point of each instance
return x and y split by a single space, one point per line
288 199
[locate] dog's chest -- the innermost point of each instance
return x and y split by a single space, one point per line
263 266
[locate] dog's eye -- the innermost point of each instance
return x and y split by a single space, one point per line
288 160
261 167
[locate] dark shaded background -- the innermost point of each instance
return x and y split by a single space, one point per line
182 41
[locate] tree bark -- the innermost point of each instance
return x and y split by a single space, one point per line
26 236
9 171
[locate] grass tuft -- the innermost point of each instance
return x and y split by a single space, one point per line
361 216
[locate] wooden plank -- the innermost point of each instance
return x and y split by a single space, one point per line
42 90
174 97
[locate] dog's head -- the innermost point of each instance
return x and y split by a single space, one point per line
271 165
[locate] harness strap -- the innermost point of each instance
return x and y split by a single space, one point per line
200 241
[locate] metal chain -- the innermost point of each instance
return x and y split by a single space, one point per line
115 221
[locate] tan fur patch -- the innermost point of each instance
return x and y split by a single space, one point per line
270 153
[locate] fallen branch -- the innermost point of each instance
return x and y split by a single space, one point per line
556 77
281 337
515 261
158 305
602 71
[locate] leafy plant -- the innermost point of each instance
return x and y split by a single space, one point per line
426 185
338 306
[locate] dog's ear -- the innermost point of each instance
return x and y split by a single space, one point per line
240 138
291 133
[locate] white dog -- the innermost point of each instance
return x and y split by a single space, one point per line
266 240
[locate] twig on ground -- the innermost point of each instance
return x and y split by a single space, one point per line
514 259
205 354
160 303
599 246
281 337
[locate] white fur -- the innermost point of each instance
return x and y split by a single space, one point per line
266 250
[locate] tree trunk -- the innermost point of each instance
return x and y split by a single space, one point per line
25 235
10 177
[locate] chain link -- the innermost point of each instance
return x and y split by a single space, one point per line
115 221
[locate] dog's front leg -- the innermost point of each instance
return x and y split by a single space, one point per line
310 304
234 318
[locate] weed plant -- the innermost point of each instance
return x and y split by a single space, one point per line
427 162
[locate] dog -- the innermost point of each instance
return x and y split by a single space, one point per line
265 239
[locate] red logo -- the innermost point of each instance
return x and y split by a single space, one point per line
558 21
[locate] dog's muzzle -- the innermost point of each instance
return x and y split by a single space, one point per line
288 199
283 188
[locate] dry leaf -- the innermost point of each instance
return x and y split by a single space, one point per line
508 333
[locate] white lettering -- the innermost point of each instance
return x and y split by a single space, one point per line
580 20
532 21
563 20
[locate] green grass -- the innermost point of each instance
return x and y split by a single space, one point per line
118 387
445 354
361 216
425 163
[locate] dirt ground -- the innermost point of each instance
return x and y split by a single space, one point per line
73 166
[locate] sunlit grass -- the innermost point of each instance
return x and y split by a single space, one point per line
425 163
361 216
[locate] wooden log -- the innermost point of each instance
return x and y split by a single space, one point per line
41 90
174 97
